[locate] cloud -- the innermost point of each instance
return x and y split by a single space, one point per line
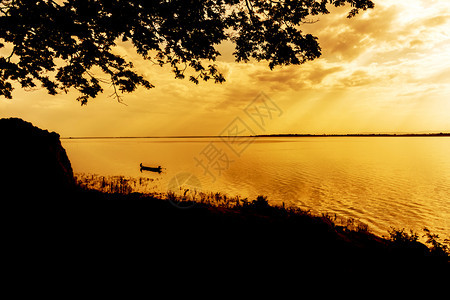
435 21
295 77
359 78
345 39
416 43
390 26
381 63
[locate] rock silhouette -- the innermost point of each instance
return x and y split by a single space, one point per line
32 160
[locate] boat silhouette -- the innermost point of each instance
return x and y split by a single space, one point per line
150 169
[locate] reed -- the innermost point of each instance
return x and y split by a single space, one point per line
144 188
114 184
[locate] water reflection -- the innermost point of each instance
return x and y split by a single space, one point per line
401 182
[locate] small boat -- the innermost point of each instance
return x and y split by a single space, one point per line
151 169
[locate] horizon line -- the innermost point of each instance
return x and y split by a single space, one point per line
268 135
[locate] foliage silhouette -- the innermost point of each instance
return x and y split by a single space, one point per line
247 233
65 44
437 248
402 238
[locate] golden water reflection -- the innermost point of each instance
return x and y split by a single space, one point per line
382 181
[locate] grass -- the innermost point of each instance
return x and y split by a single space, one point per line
106 222
259 210
114 184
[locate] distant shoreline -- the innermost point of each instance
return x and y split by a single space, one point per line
441 134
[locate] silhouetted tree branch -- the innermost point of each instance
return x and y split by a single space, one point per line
64 44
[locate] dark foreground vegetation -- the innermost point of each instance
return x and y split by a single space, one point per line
114 231
58 225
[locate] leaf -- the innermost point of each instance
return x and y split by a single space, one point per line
79 36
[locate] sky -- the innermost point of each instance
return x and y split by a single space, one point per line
385 71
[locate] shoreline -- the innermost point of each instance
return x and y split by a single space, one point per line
89 228
262 216
50 217
146 186
205 231
263 135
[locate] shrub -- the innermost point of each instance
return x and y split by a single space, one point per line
260 202
437 248
401 238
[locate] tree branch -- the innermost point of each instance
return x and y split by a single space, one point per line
249 7
116 94
8 59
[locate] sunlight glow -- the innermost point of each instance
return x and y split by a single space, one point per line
387 69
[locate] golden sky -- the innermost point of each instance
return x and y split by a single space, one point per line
386 70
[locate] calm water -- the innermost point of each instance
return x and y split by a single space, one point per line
382 181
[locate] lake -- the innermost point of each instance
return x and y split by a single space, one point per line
402 182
